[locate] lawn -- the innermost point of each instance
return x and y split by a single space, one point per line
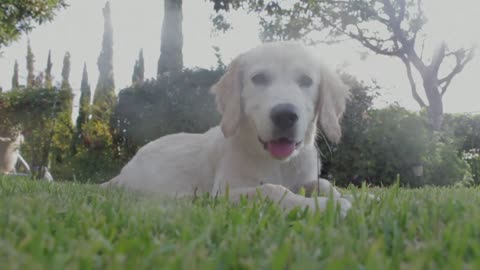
78 226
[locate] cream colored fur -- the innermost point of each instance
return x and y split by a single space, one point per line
231 154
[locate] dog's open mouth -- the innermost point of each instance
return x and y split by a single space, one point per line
280 148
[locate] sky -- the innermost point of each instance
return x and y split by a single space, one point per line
137 25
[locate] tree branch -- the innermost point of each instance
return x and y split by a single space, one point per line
367 43
438 58
407 45
413 85
423 49
462 57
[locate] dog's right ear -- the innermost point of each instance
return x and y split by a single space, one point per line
228 92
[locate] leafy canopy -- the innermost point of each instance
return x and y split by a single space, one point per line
20 16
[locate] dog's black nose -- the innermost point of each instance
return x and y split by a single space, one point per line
284 116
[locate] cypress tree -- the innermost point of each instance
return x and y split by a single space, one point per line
15 83
138 76
84 103
30 66
104 98
141 67
48 71
66 71
63 145
135 73
171 57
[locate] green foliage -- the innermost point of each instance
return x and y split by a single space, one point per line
97 135
89 165
84 110
394 142
20 16
77 226
397 141
346 160
18 107
62 138
282 20
444 166
93 157
466 131
177 103
473 159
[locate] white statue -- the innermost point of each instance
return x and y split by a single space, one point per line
10 153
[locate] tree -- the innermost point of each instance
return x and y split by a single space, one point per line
171 57
30 66
20 16
48 71
66 71
15 83
67 118
386 27
85 95
62 140
104 98
138 76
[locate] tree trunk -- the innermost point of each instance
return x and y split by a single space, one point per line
435 103
171 58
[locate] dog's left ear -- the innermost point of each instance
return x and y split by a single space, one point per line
332 99
228 92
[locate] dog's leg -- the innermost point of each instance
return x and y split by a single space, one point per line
320 187
323 187
286 198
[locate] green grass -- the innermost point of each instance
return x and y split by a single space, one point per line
74 226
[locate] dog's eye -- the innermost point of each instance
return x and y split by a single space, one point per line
260 79
305 81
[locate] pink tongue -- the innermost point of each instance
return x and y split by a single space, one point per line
281 149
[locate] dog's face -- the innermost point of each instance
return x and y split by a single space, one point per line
280 90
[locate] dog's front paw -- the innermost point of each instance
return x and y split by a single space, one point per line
320 203
352 198
345 206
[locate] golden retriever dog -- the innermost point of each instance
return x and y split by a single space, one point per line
271 99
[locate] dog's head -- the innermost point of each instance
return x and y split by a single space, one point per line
282 91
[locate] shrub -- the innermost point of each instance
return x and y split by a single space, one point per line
346 160
175 103
397 143
465 129
443 165
93 166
